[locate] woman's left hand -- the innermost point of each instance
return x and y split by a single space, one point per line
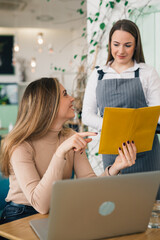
126 158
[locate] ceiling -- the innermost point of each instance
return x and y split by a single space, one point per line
42 13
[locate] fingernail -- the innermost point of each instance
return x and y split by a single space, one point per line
96 132
132 141
119 148
124 144
128 142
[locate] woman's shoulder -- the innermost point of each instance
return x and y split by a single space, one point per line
145 66
25 146
102 67
147 69
22 151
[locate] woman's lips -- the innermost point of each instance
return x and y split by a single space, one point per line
121 57
72 107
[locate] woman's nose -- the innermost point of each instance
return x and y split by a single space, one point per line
71 98
121 49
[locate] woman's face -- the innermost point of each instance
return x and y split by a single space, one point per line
66 109
122 47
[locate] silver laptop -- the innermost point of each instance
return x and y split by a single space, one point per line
97 208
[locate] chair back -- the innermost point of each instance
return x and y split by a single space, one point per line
4 187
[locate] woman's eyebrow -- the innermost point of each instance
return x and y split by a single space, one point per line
124 43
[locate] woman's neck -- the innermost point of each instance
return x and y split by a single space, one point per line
57 124
121 67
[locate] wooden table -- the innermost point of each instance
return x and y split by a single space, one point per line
21 230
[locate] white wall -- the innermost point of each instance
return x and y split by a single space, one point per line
149 25
66 44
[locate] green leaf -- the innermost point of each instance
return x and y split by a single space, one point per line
84 29
83 35
75 56
97 14
92 51
102 26
90 19
83 57
107 5
91 41
63 70
59 69
118 1
129 10
94 33
96 154
95 43
55 68
101 1
126 3
80 10
96 19
111 3
82 3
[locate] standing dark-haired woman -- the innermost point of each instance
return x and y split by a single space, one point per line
126 82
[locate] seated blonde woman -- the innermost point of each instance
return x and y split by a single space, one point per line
40 150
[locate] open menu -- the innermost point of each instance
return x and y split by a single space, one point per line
127 124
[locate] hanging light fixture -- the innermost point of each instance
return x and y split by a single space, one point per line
40 39
50 49
33 64
16 47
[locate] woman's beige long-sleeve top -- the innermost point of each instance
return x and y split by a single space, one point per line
34 167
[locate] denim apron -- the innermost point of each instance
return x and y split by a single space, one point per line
126 93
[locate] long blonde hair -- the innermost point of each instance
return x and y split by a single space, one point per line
36 113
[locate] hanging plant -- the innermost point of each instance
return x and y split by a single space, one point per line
90 19
83 57
97 14
102 26
92 51
59 69
95 43
101 1
94 33
82 2
111 3
80 11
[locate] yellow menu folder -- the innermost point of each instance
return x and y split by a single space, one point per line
127 124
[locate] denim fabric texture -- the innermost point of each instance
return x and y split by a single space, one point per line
14 211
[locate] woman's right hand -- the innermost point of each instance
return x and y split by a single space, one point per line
75 142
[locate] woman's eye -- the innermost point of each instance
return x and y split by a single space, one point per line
128 46
65 93
116 45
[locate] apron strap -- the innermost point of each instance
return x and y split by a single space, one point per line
96 67
136 73
101 74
